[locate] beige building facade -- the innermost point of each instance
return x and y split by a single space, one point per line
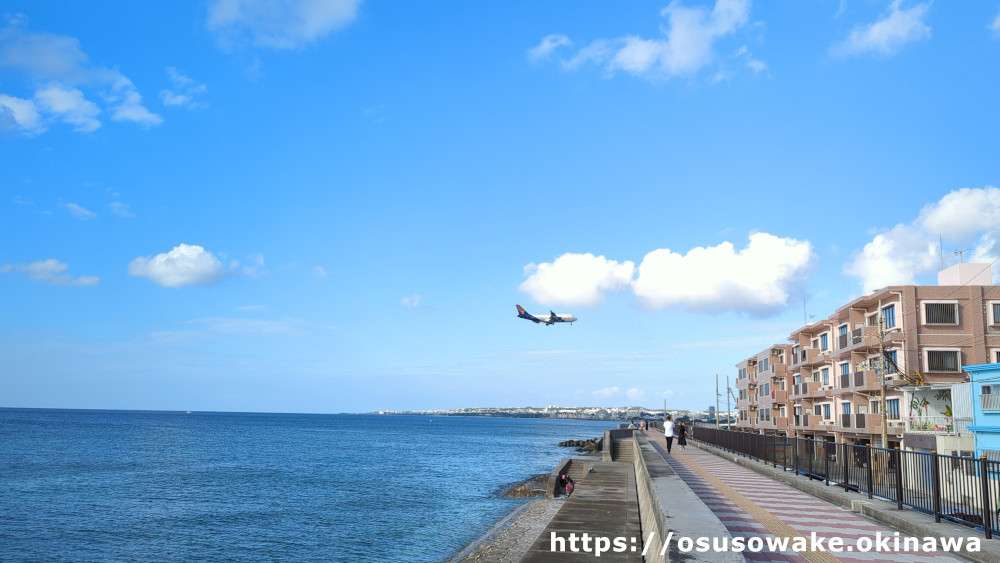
827 382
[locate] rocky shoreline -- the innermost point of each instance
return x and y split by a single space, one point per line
512 537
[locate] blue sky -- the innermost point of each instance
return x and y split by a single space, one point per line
333 206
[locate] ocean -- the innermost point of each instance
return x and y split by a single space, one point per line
156 486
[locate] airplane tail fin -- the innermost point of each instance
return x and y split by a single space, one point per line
521 310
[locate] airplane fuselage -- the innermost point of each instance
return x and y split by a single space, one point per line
550 319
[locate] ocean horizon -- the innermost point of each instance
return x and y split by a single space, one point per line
156 485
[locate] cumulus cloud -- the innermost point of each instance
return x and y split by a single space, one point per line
714 279
184 265
17 113
705 279
995 26
65 84
686 45
278 25
70 106
49 271
576 279
184 93
968 216
889 34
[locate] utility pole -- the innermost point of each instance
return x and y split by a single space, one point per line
716 401
881 372
729 392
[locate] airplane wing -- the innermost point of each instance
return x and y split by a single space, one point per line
553 318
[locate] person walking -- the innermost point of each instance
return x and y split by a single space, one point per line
668 431
682 431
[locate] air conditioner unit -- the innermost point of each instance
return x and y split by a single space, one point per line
777 351
895 424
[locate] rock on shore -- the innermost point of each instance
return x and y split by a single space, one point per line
530 487
590 445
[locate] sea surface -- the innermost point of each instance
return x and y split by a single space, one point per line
171 486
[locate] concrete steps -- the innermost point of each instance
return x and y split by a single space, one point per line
622 451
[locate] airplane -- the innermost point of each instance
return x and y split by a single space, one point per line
551 320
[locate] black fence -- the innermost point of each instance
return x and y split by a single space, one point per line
960 489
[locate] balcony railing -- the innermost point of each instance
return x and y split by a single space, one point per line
845 420
937 424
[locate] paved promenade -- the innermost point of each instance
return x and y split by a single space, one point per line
752 505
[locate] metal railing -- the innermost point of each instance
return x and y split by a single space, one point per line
964 490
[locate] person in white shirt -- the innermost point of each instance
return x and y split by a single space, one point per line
668 431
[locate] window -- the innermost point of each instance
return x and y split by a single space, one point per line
824 341
826 411
995 309
843 330
996 356
781 411
889 313
987 389
890 357
826 376
816 377
818 410
941 313
845 368
943 360
845 408
892 408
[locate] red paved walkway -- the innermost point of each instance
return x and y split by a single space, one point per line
752 505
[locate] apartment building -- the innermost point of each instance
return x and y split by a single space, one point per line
831 372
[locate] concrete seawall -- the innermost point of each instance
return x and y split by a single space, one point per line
667 505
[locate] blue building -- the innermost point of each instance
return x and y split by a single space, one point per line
985 427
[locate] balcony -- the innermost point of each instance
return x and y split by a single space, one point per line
937 424
800 421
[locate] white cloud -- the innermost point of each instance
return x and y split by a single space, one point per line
126 104
714 279
576 279
320 271
889 34
58 70
79 212
968 216
685 48
412 301
49 271
606 393
70 106
549 44
184 265
121 209
995 26
962 213
184 93
279 25
17 113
